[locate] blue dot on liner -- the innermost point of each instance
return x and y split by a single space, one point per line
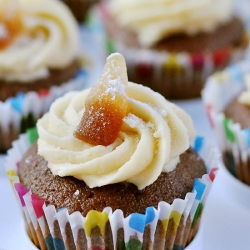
235 72
17 102
137 222
49 242
80 73
177 247
60 209
58 244
199 187
247 134
198 144
150 214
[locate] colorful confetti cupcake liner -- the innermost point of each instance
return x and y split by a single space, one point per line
233 141
176 75
22 111
165 227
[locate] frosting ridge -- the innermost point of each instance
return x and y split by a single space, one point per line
153 135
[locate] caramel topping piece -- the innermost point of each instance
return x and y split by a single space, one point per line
106 104
11 23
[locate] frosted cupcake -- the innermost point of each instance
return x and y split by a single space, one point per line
172 46
112 169
226 98
40 59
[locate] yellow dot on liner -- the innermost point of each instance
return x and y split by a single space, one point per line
11 173
95 218
176 216
172 63
165 224
12 177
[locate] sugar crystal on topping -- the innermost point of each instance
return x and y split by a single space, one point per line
106 105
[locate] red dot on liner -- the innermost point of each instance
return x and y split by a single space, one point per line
43 92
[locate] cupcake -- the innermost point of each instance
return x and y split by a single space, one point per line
226 98
112 168
80 8
40 59
172 46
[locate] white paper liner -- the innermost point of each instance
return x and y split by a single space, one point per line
232 140
162 60
52 224
173 74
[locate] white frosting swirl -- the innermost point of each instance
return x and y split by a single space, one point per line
153 135
49 39
154 20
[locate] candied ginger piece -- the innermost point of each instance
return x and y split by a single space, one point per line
106 105
11 23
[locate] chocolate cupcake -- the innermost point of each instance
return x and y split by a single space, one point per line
112 167
80 8
40 59
172 47
226 98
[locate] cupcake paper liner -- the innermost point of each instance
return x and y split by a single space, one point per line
165 227
176 75
22 111
233 141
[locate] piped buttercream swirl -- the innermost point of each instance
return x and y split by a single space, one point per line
49 40
153 135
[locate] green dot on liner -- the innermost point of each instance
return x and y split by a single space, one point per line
133 244
229 133
32 134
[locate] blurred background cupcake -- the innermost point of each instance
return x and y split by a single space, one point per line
40 59
173 46
80 8
226 97
80 195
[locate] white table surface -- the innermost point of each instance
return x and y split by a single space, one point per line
225 223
